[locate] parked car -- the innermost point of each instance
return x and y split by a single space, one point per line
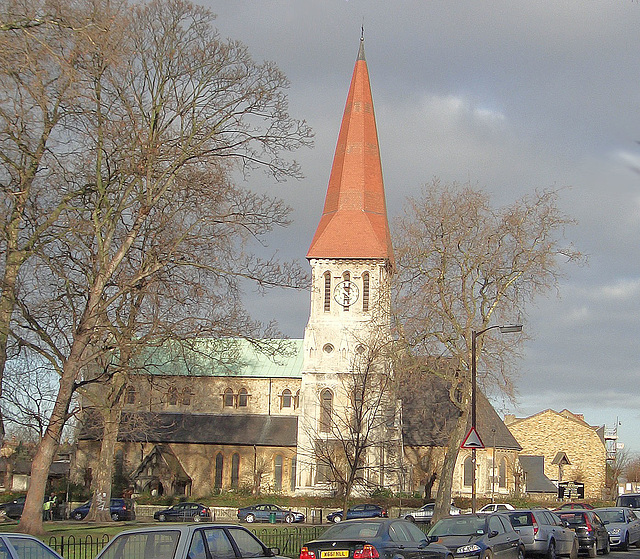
188 541
631 500
425 513
20 546
571 506
183 512
497 507
359 511
543 533
120 509
269 513
13 509
591 532
622 524
479 535
373 538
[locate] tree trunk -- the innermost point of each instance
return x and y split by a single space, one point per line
443 496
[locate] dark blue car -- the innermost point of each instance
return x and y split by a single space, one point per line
359 511
269 513
184 512
120 509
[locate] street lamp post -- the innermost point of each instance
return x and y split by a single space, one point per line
505 329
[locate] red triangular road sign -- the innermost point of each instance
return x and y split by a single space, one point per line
472 440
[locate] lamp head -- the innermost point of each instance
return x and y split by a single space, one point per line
510 328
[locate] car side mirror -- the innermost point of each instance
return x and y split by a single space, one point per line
274 551
432 539
493 533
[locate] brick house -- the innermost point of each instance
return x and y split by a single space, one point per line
573 450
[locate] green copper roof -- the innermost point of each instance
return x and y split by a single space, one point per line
225 357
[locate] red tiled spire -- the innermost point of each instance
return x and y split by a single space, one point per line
354 220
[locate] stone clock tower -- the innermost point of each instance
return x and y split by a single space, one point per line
351 259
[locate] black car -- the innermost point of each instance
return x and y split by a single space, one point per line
120 509
479 535
359 511
373 538
591 531
184 512
269 513
13 509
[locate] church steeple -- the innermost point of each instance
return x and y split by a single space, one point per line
354 220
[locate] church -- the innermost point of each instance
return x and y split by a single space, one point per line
312 416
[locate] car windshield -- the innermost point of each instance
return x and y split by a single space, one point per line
608 516
519 519
143 545
348 530
465 526
573 517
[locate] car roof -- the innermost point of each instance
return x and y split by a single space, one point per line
180 527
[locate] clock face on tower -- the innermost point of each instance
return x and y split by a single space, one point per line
346 293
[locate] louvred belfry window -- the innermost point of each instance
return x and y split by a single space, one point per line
327 292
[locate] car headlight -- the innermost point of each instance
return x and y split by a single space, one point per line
471 548
614 531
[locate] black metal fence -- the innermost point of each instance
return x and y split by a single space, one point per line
288 538
78 547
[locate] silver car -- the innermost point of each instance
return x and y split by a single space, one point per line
425 513
188 541
543 533
622 524
21 546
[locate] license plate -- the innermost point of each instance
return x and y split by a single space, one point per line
334 553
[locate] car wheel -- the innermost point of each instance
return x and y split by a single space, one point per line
77 516
410 518
289 519
574 550
115 517
487 554
250 518
607 547
521 553
162 518
625 545
593 550
337 518
197 518
551 552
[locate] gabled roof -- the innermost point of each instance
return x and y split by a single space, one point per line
232 357
536 480
561 458
200 428
428 416
354 220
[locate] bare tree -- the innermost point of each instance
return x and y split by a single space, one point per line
462 265
166 118
632 471
615 470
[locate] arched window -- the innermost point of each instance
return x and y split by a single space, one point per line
172 396
131 395
235 469
243 398
326 410
296 399
502 473
286 398
186 396
227 398
277 473
468 471
327 291
293 473
217 482
365 292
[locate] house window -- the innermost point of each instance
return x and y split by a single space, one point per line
468 471
326 410
286 398
502 473
327 292
243 398
293 473
235 469
217 483
227 398
131 395
172 396
186 396
365 292
296 399
277 473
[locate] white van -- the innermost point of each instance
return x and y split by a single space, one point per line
630 500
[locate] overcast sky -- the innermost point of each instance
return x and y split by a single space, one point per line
511 95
